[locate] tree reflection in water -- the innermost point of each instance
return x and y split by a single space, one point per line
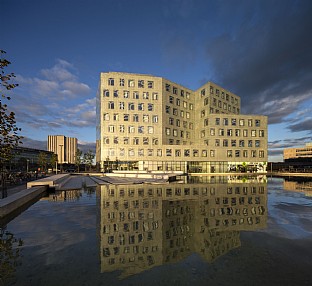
10 252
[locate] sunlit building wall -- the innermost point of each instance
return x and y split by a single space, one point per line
301 152
150 123
64 147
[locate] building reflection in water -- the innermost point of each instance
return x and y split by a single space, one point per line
303 185
142 226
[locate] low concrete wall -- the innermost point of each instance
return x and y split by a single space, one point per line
51 181
15 201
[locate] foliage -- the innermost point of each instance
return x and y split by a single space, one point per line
244 167
78 158
9 254
42 160
53 160
9 137
88 158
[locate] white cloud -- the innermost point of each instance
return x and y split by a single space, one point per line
59 72
53 101
58 81
75 88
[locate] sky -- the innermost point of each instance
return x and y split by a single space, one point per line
258 49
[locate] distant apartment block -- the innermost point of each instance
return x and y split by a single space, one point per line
301 152
64 147
149 123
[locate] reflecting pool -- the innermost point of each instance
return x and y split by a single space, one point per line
206 231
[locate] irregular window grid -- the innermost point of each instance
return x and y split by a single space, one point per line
155 118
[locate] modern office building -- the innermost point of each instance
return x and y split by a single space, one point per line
64 147
149 123
296 153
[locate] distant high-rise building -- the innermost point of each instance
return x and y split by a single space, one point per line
64 147
149 123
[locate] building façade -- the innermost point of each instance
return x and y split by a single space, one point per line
149 123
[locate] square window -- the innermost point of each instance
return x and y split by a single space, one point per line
155 96
145 95
145 118
135 118
178 153
140 83
135 95
106 116
150 84
150 129
126 117
130 83
111 105
141 129
141 106
111 81
131 106
150 107
106 92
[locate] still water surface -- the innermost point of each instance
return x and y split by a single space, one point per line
209 231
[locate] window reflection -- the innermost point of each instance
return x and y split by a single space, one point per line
148 225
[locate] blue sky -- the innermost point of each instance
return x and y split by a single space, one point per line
258 49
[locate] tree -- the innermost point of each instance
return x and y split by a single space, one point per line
9 137
53 160
88 158
42 160
78 158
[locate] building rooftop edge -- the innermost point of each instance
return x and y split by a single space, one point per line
161 77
